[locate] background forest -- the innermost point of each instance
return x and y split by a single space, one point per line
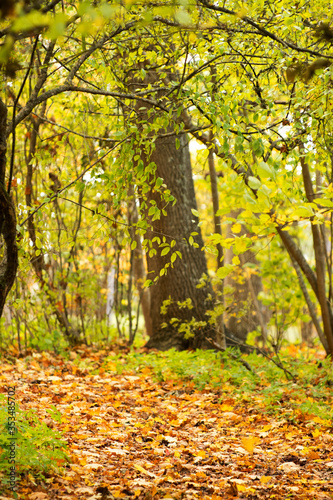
170 157
166 229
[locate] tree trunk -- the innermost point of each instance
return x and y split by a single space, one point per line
180 281
245 312
38 260
8 245
178 308
139 270
220 254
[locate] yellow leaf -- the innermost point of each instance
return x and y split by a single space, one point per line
236 228
265 479
316 433
319 420
226 407
249 443
266 428
111 366
235 260
146 370
241 487
192 37
201 454
144 471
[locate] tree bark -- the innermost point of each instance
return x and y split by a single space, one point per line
246 313
217 228
8 245
318 245
139 270
175 323
180 280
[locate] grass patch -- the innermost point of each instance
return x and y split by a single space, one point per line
309 394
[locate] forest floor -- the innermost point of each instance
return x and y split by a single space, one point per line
130 437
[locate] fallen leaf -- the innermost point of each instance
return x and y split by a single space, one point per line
144 471
249 443
265 479
289 467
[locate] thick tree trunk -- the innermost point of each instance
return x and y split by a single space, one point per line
174 322
8 245
180 281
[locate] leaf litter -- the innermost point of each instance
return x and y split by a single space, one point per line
130 437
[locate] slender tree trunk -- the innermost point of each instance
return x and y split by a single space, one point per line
318 245
8 245
139 269
245 312
38 261
217 228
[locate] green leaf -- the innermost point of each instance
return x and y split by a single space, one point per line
159 182
165 251
254 183
264 170
223 271
195 212
183 17
240 246
324 202
57 27
303 212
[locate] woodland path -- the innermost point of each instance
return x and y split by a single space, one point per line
132 438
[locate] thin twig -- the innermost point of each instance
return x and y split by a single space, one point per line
233 356
11 169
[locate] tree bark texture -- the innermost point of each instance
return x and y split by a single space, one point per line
171 155
180 282
8 245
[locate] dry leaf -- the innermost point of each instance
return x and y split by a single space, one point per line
144 471
249 443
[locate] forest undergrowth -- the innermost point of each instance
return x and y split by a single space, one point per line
120 423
